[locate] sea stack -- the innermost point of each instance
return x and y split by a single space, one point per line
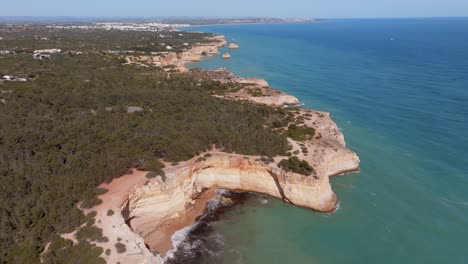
226 56
233 46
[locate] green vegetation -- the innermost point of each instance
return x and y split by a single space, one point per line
256 92
121 248
68 130
90 233
295 165
299 133
33 38
152 174
63 251
201 159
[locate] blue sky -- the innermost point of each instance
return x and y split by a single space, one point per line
213 8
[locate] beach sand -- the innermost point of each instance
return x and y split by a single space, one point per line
161 242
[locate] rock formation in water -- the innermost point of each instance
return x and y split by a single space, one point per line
233 46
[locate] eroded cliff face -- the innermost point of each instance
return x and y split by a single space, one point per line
158 203
277 100
149 208
144 211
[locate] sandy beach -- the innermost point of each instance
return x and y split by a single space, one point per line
161 241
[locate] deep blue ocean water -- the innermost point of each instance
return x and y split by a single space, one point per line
398 89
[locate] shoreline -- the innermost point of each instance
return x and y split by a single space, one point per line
252 23
153 211
162 241
190 223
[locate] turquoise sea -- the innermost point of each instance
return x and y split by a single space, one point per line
398 89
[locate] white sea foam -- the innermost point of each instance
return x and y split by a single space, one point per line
262 200
454 202
338 206
177 239
180 236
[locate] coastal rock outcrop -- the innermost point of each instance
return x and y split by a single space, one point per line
256 90
226 56
158 203
270 97
255 81
149 208
169 58
151 205
233 46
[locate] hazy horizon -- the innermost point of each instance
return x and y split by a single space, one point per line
238 9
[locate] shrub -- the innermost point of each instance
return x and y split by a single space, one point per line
152 175
295 165
299 133
110 212
121 248
90 233
154 165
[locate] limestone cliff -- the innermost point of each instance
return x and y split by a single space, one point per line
256 90
148 207
156 204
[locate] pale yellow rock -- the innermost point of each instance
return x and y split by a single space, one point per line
233 46
153 205
257 81
226 200
149 205
226 56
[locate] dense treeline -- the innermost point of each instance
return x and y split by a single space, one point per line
68 130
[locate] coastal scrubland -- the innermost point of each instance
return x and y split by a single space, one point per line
33 37
68 129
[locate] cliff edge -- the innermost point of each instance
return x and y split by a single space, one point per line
146 207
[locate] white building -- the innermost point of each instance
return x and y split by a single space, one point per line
48 51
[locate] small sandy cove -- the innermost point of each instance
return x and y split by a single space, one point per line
161 242
115 228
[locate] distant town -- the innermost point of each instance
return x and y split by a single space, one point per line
116 22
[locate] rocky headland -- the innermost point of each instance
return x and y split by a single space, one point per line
147 212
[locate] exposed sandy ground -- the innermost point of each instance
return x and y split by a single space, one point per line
115 228
118 190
